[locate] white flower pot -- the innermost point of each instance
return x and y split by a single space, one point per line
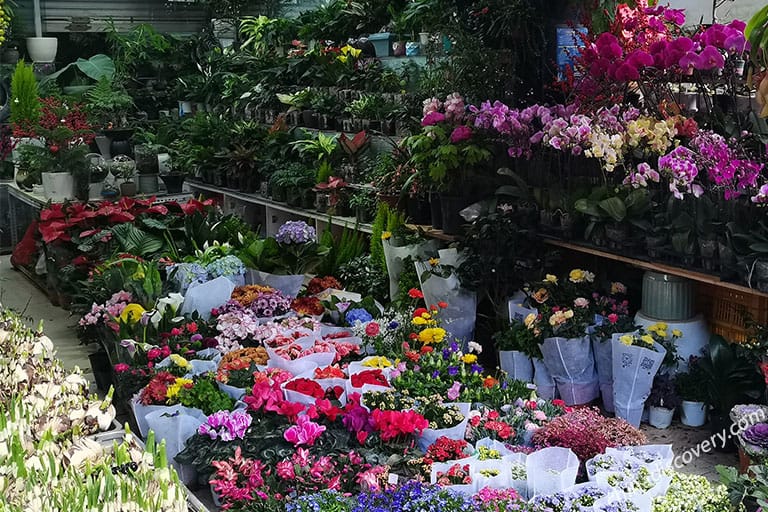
185 108
693 414
58 186
660 417
42 49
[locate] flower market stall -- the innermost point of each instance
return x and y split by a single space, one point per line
387 274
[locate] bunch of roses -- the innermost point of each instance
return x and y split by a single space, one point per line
397 425
329 372
528 416
236 372
284 339
311 388
374 377
490 424
105 314
320 284
445 449
294 351
287 325
587 433
242 358
457 474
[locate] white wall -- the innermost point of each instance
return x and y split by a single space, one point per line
697 10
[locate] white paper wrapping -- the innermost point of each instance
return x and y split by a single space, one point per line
204 297
572 366
517 365
637 367
288 284
545 384
394 257
551 470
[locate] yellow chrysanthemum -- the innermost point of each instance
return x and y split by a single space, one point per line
432 335
377 362
173 390
434 262
419 321
469 358
132 313
661 334
426 316
647 338
677 333
179 361
386 235
626 339
549 278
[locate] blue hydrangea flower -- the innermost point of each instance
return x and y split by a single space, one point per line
226 266
358 315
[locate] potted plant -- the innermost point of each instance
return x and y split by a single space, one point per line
363 202
97 172
124 168
662 402
330 196
517 347
690 388
354 148
729 378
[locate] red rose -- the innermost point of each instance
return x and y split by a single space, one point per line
420 311
442 304
558 403
306 387
375 377
372 329
415 293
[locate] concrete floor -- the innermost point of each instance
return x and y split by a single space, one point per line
18 293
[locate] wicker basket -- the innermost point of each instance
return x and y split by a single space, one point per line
726 310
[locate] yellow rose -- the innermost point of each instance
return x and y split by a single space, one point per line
419 321
647 338
627 339
576 275
377 362
432 335
549 278
426 316
530 320
568 314
386 235
677 333
132 313
469 358
434 262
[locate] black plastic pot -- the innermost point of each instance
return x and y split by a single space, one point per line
436 211
719 424
451 206
102 369
173 182
419 211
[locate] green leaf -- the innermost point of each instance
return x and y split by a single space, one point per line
154 223
587 207
614 207
759 247
97 67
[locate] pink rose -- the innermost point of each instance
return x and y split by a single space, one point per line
121 368
432 119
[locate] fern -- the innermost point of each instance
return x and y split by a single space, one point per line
25 96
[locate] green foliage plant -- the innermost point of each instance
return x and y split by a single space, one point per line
25 96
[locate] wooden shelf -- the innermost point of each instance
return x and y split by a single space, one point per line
348 222
656 267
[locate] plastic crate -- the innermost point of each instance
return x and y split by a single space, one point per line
726 310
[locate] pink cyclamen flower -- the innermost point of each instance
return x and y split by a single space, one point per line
121 368
460 134
305 432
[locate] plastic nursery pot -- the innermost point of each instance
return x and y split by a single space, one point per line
451 206
419 211
102 369
173 182
660 417
128 189
693 414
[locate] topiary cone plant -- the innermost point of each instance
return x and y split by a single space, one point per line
756 33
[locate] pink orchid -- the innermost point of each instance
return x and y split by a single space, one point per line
305 432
